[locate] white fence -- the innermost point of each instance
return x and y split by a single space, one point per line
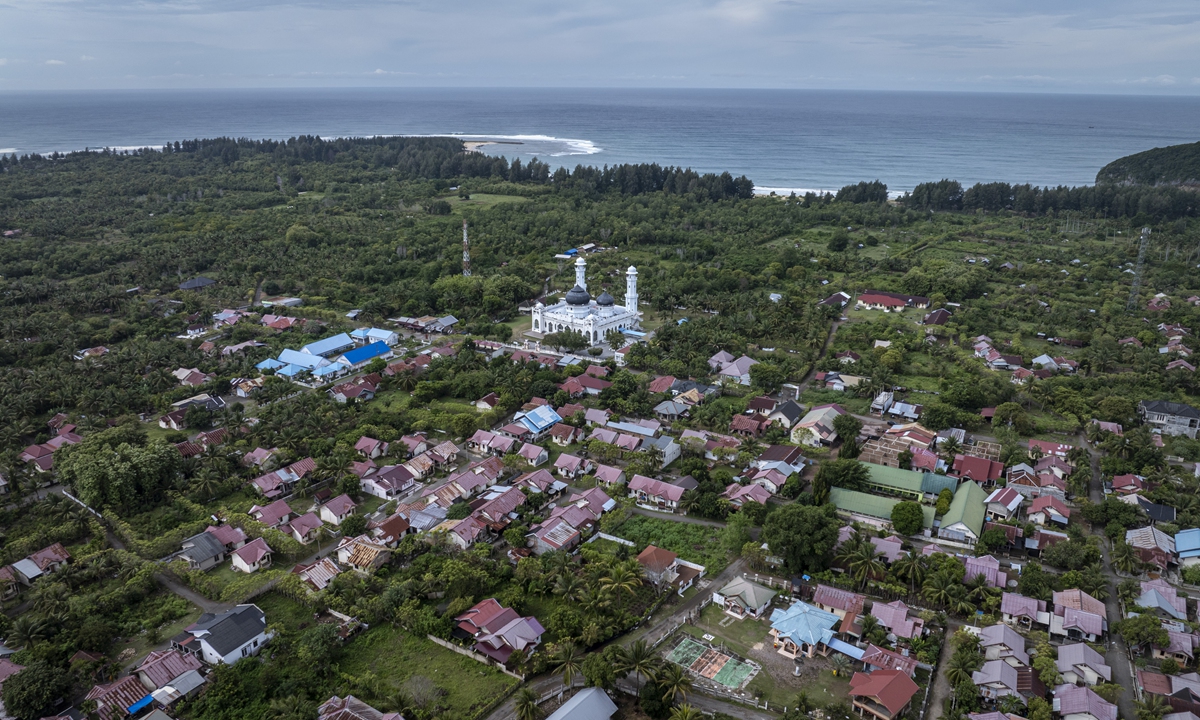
474 656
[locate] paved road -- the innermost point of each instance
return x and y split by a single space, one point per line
1117 656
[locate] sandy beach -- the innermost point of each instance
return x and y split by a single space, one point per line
474 145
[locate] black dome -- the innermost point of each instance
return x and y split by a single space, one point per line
578 296
605 299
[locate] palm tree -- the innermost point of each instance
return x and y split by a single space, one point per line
638 659
938 590
27 631
292 707
1152 707
526 704
1124 557
674 682
841 664
865 564
568 661
911 568
959 668
686 712
568 585
620 581
51 599
978 588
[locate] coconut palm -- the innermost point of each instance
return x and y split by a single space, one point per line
292 707
51 599
638 659
841 664
686 712
620 581
568 585
674 682
959 668
1124 557
865 564
567 661
1152 707
939 590
526 704
911 568
27 631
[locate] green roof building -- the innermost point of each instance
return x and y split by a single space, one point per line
870 508
907 483
964 521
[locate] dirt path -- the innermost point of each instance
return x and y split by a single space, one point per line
941 686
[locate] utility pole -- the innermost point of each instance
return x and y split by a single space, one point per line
466 252
1137 271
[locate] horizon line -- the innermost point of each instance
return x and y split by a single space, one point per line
585 88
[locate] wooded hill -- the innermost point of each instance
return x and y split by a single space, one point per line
1171 165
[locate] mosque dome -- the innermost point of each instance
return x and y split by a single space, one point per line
578 296
605 300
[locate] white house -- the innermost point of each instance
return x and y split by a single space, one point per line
252 557
338 509
225 638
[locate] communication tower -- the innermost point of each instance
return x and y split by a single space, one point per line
466 252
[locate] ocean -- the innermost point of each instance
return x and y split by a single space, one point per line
783 140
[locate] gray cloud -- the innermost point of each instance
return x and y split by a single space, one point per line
1100 46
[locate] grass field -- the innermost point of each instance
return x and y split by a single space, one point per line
395 657
482 201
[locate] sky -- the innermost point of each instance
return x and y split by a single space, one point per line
1086 46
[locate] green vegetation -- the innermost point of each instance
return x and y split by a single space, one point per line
1171 165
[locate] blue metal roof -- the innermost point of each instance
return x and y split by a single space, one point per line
1187 543
327 370
270 364
329 345
804 623
540 419
305 360
846 648
366 352
292 370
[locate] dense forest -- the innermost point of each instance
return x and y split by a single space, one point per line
96 245
1172 165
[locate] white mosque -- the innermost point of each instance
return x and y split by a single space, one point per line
591 318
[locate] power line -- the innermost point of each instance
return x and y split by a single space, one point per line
1137 271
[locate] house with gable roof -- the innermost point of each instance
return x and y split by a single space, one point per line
883 694
963 522
1079 664
1001 642
743 598
895 616
1026 612
227 637
1072 702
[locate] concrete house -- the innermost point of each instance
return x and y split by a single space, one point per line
227 637
252 557
1079 664
338 509
742 598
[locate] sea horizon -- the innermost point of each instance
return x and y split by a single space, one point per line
782 139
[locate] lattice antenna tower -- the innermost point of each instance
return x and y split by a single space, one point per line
466 252
1137 270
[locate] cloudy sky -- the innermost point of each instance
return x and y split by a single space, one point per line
1105 46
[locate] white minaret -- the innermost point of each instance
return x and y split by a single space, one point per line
631 298
580 267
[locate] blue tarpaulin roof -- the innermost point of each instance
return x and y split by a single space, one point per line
141 704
